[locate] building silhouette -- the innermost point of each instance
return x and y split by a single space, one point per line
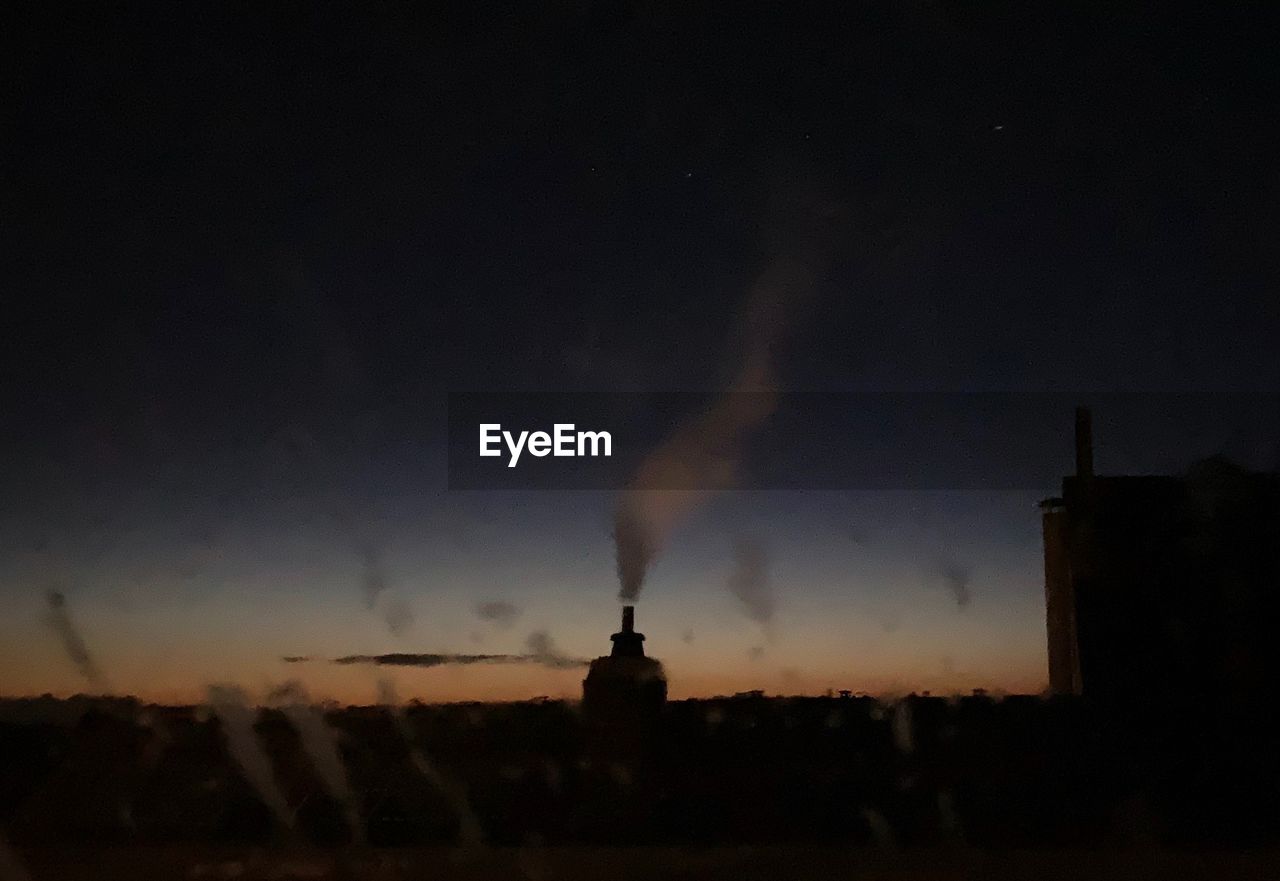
1162 590
625 682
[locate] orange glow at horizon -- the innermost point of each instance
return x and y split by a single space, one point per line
866 626
360 685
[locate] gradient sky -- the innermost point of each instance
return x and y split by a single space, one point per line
254 249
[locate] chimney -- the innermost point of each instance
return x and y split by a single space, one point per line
626 642
623 695
1084 442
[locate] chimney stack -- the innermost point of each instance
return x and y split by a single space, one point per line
1084 442
622 697
626 642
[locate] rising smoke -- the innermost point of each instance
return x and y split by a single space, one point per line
703 455
388 694
956 578
373 580
543 650
398 617
749 581
59 618
319 324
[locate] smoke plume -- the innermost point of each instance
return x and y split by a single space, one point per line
230 704
703 455
397 614
399 617
73 644
543 650
749 581
956 577
500 612
373 579
388 696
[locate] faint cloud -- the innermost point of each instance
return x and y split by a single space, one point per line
502 613
399 617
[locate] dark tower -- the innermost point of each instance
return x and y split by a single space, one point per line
1161 589
624 685
1059 587
627 643
1084 442
623 698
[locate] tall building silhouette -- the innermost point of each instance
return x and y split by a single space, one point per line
1162 589
624 682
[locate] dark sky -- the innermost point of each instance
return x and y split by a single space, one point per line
242 236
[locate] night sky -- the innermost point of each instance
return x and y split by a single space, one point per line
251 251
